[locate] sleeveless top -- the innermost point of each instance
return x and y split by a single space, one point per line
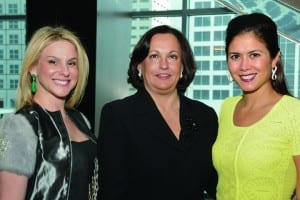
82 168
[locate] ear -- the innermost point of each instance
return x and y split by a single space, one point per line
32 70
139 68
276 59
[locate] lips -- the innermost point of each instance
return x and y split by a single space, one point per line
163 76
62 82
248 77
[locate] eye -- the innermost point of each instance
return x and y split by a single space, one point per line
173 57
234 56
72 63
52 62
153 56
254 55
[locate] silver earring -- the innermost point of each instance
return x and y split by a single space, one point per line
274 70
140 74
181 75
229 77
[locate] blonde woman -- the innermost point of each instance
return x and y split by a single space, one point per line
48 150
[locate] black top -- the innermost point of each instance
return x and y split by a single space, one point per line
140 157
82 168
52 175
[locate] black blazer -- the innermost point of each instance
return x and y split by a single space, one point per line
140 158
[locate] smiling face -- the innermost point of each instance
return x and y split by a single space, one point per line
162 67
250 63
56 71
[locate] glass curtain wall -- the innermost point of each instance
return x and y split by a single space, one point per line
12 45
204 23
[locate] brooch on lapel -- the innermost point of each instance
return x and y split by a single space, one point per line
191 124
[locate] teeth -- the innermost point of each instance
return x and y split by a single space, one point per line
163 75
248 77
61 82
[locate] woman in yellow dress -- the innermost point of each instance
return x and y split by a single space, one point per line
256 153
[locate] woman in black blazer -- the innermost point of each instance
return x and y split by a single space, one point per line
156 144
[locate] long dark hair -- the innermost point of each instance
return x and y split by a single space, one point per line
141 51
266 30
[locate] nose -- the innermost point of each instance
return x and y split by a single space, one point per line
65 70
245 64
163 63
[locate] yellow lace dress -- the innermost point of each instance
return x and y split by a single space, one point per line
256 162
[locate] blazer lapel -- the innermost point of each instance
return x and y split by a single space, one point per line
150 117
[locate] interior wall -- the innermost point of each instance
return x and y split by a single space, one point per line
113 50
78 16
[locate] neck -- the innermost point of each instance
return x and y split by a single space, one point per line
166 101
259 99
49 105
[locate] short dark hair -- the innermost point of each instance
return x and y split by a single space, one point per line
265 30
141 51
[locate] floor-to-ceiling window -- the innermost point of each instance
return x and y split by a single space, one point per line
12 45
204 23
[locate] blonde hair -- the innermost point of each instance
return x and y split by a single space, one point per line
40 40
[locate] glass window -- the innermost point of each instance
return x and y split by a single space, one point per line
202 21
14 69
13 24
202 65
203 4
14 54
219 36
205 30
285 16
201 80
220 94
141 26
220 65
1 69
13 84
13 39
202 36
236 90
1 54
12 8
156 5
201 94
222 20
202 50
12 43
220 80
219 50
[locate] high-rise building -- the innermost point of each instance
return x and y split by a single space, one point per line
204 28
206 34
12 44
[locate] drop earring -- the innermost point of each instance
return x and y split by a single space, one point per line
229 77
33 83
274 76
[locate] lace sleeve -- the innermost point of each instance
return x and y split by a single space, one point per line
17 145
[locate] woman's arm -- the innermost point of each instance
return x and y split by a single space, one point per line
17 156
12 186
112 155
297 163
